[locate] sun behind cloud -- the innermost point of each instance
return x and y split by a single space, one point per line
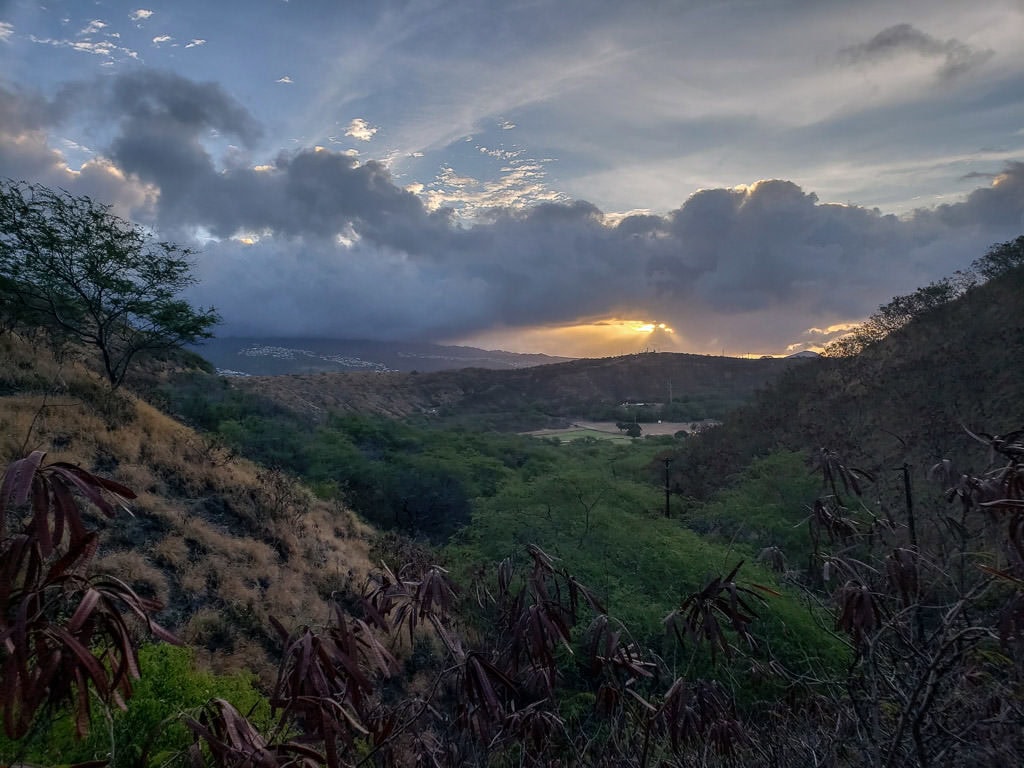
586 338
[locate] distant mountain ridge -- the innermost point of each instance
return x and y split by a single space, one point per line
536 396
270 356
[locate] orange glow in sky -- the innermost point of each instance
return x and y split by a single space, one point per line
594 338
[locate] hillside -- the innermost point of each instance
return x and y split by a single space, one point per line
529 397
223 543
905 399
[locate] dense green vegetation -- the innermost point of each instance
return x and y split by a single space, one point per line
597 506
419 481
767 505
598 514
422 481
149 732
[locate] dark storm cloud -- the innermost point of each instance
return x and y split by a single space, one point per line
771 243
753 263
308 193
957 57
978 176
558 260
146 96
24 111
166 124
340 249
323 191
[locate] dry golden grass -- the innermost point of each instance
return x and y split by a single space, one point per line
202 539
169 550
138 572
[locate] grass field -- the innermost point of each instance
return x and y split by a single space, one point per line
606 430
574 433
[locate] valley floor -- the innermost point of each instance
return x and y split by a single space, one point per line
608 428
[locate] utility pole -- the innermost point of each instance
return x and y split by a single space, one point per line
912 530
668 489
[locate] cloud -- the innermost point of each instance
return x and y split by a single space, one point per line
501 154
978 176
520 182
93 27
104 48
746 269
996 207
818 338
957 57
161 39
195 42
338 246
6 30
361 130
140 15
162 120
26 122
286 80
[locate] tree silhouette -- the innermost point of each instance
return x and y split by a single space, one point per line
67 264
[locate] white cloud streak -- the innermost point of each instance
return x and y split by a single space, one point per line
93 27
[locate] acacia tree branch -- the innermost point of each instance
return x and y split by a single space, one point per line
77 270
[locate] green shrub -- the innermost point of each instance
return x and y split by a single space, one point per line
150 731
765 507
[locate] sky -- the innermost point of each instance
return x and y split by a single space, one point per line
576 177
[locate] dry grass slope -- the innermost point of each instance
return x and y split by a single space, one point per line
211 536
